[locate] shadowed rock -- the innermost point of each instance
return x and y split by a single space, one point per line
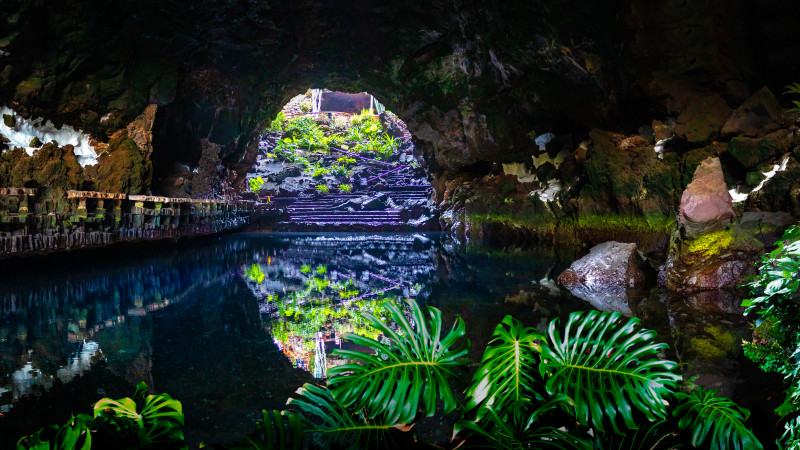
760 109
605 276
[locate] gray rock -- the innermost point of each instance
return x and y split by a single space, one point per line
605 276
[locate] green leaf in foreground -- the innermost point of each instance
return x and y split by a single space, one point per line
717 421
328 422
406 375
609 366
507 373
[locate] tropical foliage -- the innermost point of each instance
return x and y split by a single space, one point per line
775 304
715 421
794 89
407 374
144 421
609 367
595 382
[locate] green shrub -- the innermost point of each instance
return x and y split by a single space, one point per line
322 188
775 345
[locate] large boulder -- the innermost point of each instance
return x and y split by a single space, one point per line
703 117
606 276
761 109
706 204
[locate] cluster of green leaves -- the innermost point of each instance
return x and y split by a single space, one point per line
323 188
775 345
144 421
256 184
597 382
278 123
255 273
794 89
345 188
367 135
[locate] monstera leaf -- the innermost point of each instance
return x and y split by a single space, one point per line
277 430
507 374
521 427
74 435
144 421
716 420
609 366
328 423
406 375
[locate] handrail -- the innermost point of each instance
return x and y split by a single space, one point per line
387 173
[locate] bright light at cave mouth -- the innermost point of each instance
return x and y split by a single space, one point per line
23 131
342 161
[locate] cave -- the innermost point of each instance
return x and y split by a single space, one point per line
208 197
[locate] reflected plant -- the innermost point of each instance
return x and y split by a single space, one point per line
255 273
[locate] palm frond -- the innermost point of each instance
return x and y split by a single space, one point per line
406 375
715 420
521 428
609 366
507 373
328 422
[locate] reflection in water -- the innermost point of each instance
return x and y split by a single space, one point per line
314 289
225 325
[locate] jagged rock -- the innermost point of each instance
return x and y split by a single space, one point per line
706 204
703 117
751 152
661 131
141 130
605 276
373 204
767 227
760 109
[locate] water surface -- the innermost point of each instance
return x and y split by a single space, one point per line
234 325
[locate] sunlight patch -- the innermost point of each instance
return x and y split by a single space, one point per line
25 130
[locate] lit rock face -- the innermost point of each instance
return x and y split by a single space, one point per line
605 276
706 204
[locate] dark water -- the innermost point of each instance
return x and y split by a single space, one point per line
235 325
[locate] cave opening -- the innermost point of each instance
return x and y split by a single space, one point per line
339 161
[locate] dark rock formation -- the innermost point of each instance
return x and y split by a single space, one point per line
761 109
605 276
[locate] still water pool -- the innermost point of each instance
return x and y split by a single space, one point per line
234 325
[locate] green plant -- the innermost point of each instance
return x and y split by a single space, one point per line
609 366
144 421
256 184
775 345
277 430
714 420
255 273
408 374
278 123
507 374
328 421
75 434
794 89
305 268
345 188
322 188
149 420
